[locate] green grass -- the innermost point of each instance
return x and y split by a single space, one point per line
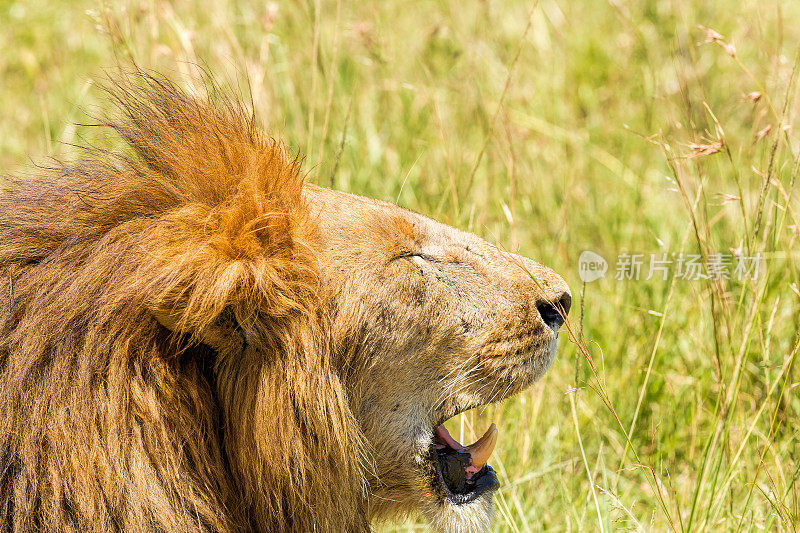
551 129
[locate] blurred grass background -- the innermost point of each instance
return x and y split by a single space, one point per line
617 126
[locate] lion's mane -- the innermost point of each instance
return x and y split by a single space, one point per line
111 421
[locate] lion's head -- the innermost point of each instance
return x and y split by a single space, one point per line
191 337
428 322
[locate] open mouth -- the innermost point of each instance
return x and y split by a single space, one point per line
462 470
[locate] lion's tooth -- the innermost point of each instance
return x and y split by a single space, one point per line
482 449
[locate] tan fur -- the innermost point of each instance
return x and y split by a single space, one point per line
191 338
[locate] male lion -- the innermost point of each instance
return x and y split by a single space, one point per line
194 339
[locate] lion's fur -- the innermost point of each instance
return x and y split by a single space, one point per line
194 339
111 421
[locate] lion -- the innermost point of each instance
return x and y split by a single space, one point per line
195 338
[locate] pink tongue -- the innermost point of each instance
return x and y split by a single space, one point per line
444 436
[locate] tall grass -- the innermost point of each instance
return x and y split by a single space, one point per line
653 126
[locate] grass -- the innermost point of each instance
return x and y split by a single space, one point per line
549 128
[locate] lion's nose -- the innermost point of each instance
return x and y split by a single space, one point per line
554 312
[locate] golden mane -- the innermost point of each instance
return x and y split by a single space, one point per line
108 419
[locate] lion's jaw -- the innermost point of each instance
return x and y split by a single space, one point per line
428 322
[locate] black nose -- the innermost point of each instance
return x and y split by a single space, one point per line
553 313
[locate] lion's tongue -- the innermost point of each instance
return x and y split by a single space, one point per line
479 451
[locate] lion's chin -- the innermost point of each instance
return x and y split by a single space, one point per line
473 517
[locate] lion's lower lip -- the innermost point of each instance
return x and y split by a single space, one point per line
463 471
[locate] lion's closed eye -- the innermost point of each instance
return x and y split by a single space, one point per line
423 257
418 257
428 263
